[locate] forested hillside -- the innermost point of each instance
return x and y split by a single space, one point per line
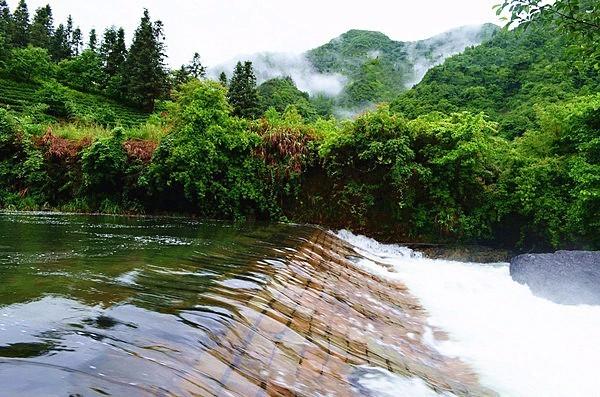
507 78
500 144
378 68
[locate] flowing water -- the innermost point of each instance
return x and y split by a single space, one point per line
96 306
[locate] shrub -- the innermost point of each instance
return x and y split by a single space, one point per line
21 163
436 175
459 161
58 99
104 165
207 159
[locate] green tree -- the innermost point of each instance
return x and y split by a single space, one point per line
42 28
83 72
113 54
30 64
22 173
206 163
5 21
323 105
113 50
552 178
144 71
243 94
279 93
3 51
58 98
180 76
69 31
195 68
104 165
580 18
223 79
185 73
20 29
60 48
76 42
93 40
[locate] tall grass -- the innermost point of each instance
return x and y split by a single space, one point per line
86 131
80 131
148 132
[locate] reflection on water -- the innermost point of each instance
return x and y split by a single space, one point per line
173 307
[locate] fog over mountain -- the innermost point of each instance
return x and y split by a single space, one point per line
269 65
331 68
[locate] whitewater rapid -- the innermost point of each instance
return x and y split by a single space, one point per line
520 344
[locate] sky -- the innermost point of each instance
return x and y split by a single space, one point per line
221 30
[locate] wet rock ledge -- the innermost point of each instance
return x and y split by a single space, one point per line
567 277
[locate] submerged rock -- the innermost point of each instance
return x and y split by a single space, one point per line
568 277
463 253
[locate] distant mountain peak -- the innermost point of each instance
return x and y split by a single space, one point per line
352 33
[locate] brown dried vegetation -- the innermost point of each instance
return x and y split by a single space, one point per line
141 150
61 149
285 148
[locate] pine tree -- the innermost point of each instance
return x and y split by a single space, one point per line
69 34
76 42
113 50
223 79
195 68
42 28
145 72
180 76
20 25
60 47
5 21
3 51
113 54
242 94
185 73
93 40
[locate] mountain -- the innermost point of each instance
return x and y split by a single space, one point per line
378 67
508 77
361 67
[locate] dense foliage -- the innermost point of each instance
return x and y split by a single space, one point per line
434 175
279 93
505 78
579 18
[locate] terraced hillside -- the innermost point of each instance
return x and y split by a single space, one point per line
18 96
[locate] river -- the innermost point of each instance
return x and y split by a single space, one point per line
101 305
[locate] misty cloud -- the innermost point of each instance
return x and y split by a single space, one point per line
428 53
297 66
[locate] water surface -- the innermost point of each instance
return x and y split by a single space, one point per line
96 305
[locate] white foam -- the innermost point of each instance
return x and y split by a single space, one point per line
382 383
128 278
520 344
